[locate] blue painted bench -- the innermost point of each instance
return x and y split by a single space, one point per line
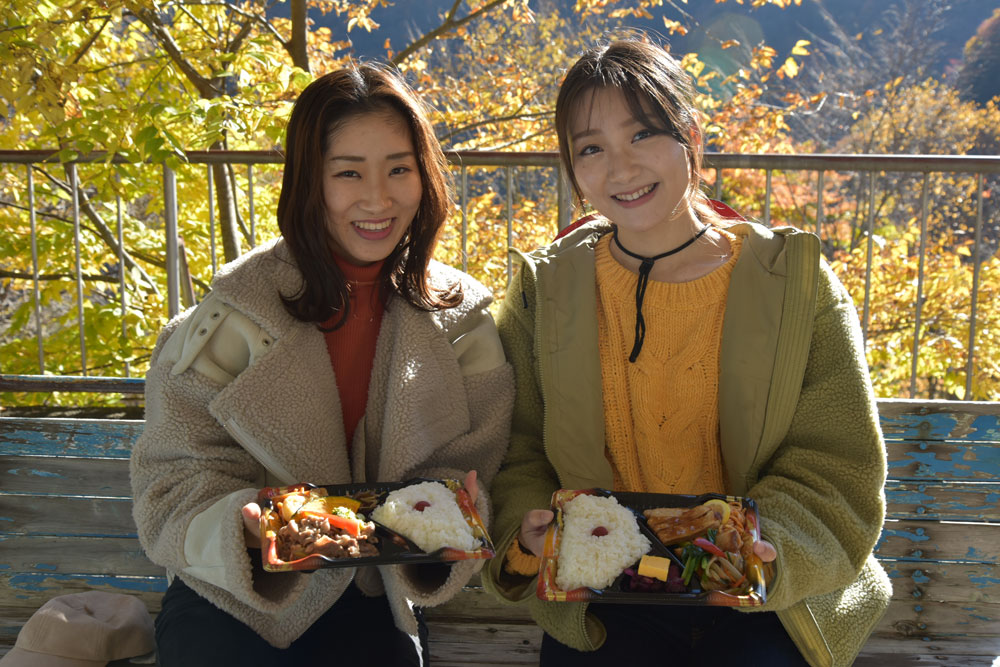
65 526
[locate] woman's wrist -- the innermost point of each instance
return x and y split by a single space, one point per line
525 550
519 560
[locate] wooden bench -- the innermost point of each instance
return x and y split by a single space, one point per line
66 526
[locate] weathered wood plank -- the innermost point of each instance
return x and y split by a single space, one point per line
896 660
84 383
894 643
943 501
478 605
943 582
76 555
42 436
904 419
33 589
66 516
930 460
928 621
940 540
967 426
482 632
486 652
61 475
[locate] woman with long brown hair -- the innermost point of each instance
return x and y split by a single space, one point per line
666 345
338 353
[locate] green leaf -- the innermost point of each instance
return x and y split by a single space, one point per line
144 136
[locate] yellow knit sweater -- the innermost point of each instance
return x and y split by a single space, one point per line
661 413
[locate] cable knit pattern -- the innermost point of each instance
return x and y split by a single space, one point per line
661 415
241 395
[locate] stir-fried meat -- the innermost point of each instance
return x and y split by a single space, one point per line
728 539
313 535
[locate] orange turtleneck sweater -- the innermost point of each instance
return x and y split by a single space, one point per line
661 413
352 345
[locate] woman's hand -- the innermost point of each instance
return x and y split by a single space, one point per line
533 527
471 487
251 525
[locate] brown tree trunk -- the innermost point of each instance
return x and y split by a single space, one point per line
228 227
297 42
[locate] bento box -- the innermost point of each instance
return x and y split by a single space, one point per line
307 527
669 549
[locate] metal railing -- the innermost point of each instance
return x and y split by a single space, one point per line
462 162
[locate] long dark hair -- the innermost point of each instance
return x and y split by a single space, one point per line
651 80
322 107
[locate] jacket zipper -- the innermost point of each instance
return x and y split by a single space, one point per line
255 450
800 624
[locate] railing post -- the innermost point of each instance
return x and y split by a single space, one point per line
920 285
170 232
122 292
970 366
820 184
868 269
465 219
34 271
509 173
211 220
75 187
767 199
253 217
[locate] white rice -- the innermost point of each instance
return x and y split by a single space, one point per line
441 524
592 561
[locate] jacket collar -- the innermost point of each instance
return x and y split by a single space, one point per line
250 283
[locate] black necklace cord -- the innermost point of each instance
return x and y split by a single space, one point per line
640 288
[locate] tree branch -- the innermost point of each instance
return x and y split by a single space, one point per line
41 214
500 119
194 19
58 276
287 44
240 37
449 23
518 141
163 36
90 42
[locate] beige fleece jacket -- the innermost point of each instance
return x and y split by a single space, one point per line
240 395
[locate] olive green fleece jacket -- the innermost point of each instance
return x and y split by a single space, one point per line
798 427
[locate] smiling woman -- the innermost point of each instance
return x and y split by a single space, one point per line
662 347
338 353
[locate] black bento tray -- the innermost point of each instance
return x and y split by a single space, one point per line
619 591
393 547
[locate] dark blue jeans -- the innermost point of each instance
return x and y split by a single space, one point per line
646 634
357 630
